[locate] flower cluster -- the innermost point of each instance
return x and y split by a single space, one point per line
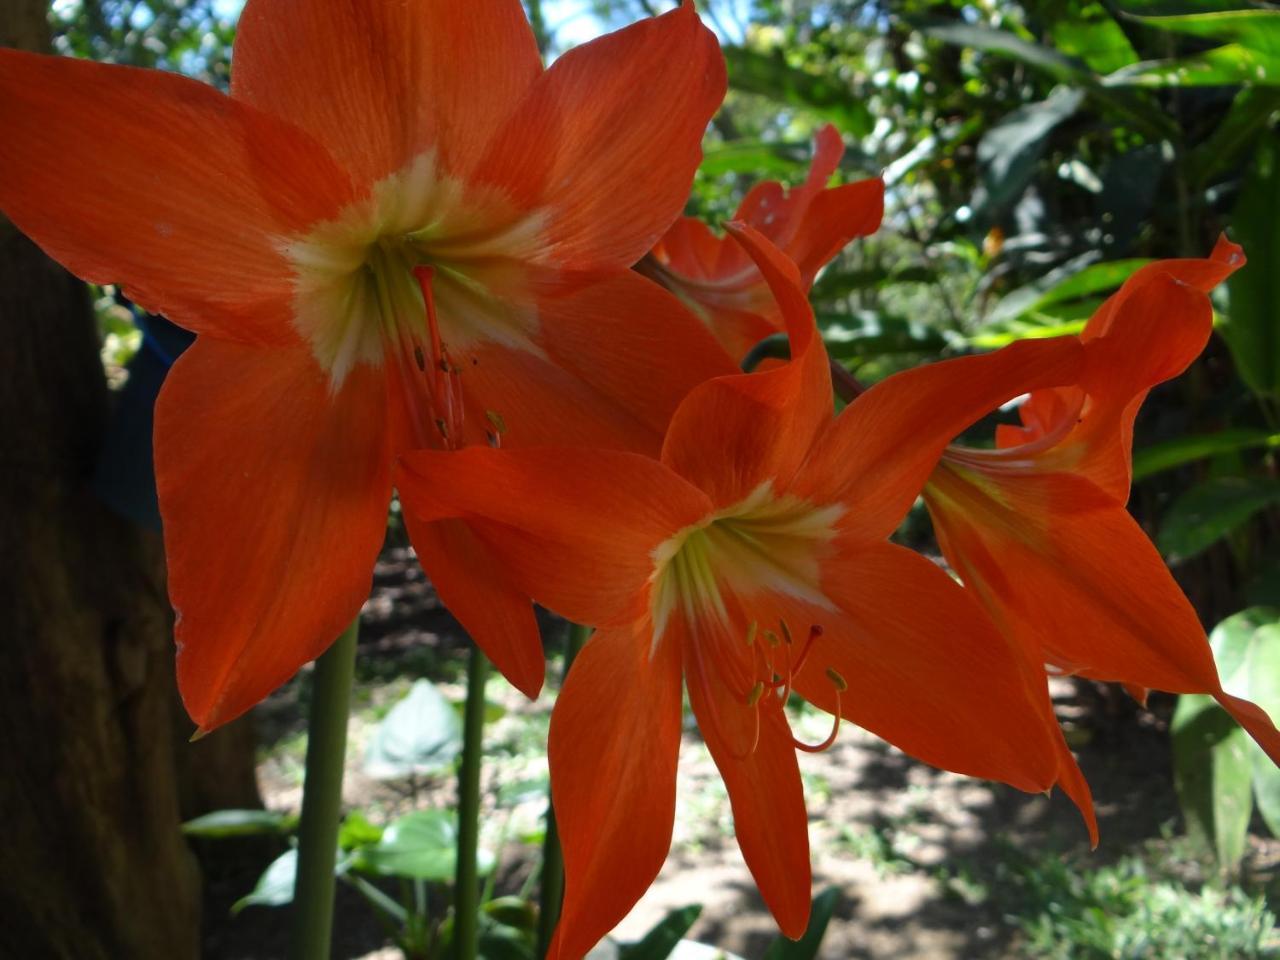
418 261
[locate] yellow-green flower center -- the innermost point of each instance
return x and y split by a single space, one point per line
355 295
764 543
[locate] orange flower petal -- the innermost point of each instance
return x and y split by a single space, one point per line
182 197
764 787
1073 579
833 218
884 445
733 433
380 82
634 343
575 527
471 582
611 188
1156 328
615 739
927 670
274 496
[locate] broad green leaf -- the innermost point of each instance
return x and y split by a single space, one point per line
1263 669
760 159
274 887
1143 115
1250 53
1071 282
829 97
357 831
514 912
659 942
1250 328
241 823
1174 453
835 284
1253 28
1009 153
420 845
420 734
1101 44
1247 118
862 335
1231 641
1224 66
806 948
1212 775
1210 510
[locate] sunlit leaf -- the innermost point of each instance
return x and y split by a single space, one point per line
420 734
421 845
1212 775
241 823
274 887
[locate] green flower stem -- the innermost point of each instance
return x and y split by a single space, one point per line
322 798
551 889
466 894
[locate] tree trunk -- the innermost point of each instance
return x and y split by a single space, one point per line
93 864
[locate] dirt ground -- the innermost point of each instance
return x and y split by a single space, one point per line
884 829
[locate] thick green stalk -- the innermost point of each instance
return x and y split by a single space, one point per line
466 894
322 798
551 888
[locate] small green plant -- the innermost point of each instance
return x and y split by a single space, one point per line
1133 909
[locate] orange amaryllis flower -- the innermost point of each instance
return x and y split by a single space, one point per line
809 223
398 231
1037 528
752 560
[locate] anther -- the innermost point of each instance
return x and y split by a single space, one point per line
751 633
756 693
772 638
837 681
786 630
841 686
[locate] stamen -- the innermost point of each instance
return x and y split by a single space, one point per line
756 693
786 630
841 686
751 633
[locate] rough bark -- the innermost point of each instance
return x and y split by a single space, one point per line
93 866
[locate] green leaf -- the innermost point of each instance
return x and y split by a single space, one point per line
1142 114
356 831
1101 44
1009 152
420 734
1263 671
760 159
1248 116
241 823
661 941
861 335
1224 66
1250 328
1253 28
806 948
836 284
420 845
1174 453
828 97
1210 510
514 912
1070 282
1212 776
274 887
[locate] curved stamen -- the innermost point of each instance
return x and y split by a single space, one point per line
841 686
